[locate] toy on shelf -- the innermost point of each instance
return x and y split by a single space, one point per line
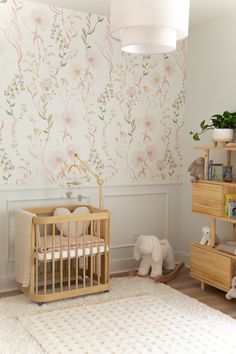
231 294
155 256
206 236
196 169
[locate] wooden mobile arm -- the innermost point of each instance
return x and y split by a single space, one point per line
99 181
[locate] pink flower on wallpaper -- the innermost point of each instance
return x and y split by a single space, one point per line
40 19
151 152
46 84
71 151
138 159
149 122
169 67
69 119
155 79
75 71
92 58
56 159
131 91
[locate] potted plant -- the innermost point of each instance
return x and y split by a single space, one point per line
223 126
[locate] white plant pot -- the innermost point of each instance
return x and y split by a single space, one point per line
224 135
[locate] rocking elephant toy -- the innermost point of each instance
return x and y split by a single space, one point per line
155 254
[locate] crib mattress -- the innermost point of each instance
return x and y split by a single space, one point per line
84 247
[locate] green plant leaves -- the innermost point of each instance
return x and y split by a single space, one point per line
227 120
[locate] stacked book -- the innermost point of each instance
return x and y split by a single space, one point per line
228 247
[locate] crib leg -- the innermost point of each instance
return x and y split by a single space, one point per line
103 269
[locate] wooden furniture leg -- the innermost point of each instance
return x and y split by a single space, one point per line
213 232
202 286
206 164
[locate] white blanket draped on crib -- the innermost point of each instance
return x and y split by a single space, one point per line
23 222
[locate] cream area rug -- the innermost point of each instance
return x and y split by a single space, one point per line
136 316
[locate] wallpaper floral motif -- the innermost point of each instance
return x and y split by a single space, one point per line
66 87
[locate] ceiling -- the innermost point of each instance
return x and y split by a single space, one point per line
201 11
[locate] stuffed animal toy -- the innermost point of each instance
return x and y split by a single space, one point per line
196 169
155 254
206 236
231 294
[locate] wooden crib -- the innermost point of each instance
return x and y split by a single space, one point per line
63 267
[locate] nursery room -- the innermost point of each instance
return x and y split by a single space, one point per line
117 176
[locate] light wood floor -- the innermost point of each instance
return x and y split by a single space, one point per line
210 296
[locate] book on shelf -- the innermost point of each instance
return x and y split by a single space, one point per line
216 172
224 247
229 198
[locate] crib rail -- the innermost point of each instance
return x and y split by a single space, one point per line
76 264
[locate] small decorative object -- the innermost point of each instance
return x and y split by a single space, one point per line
232 210
196 169
206 236
227 173
229 198
154 254
223 126
99 180
216 172
231 294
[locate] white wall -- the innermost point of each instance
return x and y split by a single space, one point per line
211 88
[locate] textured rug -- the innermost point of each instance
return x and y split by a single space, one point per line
136 316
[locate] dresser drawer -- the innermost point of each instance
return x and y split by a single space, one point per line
208 199
210 266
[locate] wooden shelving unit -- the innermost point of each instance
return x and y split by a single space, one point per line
209 265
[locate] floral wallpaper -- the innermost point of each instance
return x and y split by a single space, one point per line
66 87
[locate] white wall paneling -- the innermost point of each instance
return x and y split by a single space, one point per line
143 209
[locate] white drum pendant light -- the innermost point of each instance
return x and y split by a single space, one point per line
149 26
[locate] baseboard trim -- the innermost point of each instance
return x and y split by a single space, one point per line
8 283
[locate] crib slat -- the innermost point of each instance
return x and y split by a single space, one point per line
76 257
99 253
37 259
106 253
32 260
84 256
91 255
68 254
53 258
61 260
45 260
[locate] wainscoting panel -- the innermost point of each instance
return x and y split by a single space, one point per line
135 210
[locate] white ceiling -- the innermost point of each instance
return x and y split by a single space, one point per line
201 11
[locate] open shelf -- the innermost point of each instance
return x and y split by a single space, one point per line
216 148
222 218
227 184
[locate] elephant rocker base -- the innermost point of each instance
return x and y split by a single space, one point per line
165 278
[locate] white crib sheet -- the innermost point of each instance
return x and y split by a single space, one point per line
80 250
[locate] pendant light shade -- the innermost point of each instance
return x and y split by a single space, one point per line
149 26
